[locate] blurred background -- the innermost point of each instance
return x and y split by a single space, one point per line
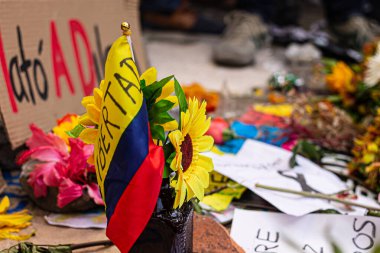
237 45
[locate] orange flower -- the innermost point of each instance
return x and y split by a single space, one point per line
196 90
340 79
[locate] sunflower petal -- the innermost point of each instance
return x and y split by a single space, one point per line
102 86
205 162
189 194
150 76
185 122
176 139
170 126
167 90
204 143
176 162
87 100
196 186
203 176
180 189
200 127
93 113
85 120
89 135
173 99
98 96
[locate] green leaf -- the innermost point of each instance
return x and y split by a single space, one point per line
161 118
160 107
376 250
334 98
75 132
142 84
181 99
157 132
336 249
167 169
293 161
153 91
310 151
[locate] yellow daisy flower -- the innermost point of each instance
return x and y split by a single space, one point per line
192 168
90 119
150 76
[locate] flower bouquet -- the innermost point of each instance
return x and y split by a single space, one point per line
55 172
356 86
149 165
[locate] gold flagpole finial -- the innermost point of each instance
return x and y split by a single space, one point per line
126 28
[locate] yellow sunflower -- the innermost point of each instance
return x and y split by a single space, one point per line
192 168
150 76
90 120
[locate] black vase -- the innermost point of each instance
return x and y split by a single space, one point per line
168 230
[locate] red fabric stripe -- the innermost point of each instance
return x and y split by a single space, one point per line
138 201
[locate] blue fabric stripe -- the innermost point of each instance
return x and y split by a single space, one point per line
130 153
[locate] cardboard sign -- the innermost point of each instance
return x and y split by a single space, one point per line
313 233
266 164
52 53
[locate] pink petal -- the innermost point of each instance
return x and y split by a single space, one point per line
55 176
218 125
48 154
94 193
36 178
68 192
77 162
40 138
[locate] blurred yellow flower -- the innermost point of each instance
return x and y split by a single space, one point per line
192 168
65 124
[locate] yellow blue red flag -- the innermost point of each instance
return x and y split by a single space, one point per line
129 166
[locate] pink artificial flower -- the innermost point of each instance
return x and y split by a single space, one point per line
94 193
217 127
37 178
68 191
59 167
39 138
77 162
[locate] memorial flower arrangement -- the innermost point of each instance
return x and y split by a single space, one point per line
55 160
183 141
366 162
356 86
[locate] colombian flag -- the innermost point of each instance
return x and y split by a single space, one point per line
129 166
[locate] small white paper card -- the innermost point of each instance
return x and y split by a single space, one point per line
259 232
78 220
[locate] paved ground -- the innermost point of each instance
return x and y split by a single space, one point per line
189 58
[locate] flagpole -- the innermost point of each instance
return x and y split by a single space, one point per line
126 28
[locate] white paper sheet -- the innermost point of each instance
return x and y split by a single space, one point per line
78 220
269 232
258 162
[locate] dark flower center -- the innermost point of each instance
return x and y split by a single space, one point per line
187 152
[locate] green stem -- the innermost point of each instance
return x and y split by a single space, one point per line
105 243
316 196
